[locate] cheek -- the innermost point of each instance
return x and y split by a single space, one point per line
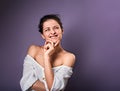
60 36
60 32
45 36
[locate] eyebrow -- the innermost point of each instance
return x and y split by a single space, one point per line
52 26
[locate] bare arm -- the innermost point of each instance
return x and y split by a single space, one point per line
38 86
49 75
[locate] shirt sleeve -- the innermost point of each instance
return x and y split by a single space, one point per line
61 77
29 74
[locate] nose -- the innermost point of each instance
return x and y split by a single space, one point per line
53 31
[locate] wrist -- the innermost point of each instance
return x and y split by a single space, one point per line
46 56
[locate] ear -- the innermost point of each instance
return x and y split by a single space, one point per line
42 36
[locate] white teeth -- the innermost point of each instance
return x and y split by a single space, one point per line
53 36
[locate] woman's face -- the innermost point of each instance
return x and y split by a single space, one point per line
52 31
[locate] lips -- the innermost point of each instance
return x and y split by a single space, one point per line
55 36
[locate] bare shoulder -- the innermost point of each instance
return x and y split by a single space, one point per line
69 59
32 50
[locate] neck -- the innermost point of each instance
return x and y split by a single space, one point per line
58 49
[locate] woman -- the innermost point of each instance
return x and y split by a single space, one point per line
47 67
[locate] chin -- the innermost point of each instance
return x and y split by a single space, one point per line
57 41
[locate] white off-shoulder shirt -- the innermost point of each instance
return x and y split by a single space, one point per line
32 71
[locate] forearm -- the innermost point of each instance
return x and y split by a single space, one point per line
38 86
48 73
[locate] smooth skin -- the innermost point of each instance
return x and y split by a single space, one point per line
51 54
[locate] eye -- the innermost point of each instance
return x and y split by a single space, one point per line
56 27
45 30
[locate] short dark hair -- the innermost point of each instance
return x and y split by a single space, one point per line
46 17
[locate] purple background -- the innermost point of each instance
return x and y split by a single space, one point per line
91 31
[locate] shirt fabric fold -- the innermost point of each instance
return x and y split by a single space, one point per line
32 71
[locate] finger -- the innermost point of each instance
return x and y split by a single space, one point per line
48 46
50 42
56 43
47 42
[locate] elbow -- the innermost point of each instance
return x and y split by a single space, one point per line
50 86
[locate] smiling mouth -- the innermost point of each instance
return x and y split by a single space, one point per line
55 36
